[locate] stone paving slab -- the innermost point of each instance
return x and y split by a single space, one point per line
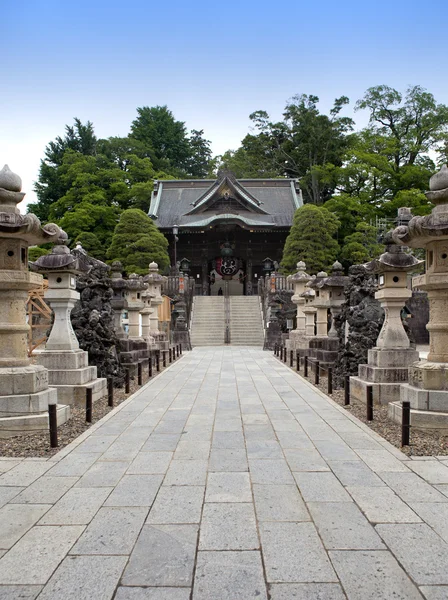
166 497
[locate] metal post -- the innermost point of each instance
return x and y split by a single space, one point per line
275 349
305 366
298 361
110 391
347 390
285 354
316 372
139 374
127 381
180 345
406 424
330 381
158 361
150 367
170 356
164 358
89 404
370 403
291 358
53 425
178 350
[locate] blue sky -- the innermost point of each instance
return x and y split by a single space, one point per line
212 63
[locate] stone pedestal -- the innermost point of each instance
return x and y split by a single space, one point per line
388 363
68 366
309 311
24 391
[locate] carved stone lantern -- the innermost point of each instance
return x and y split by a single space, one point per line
299 280
154 281
24 391
310 312
146 312
134 291
388 362
427 390
118 302
321 303
68 366
334 285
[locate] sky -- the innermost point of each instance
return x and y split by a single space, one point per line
211 62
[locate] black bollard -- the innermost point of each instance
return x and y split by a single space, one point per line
170 356
127 381
347 390
298 361
89 404
316 372
329 381
305 366
291 358
178 350
164 358
53 425
110 391
285 354
369 403
139 374
158 361
180 345
406 424
275 349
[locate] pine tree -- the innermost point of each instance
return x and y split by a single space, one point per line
136 242
311 239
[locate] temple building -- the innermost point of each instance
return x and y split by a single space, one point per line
228 232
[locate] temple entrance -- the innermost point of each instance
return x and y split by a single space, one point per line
227 274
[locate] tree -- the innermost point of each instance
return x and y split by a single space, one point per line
361 246
164 138
34 252
311 239
79 138
92 245
198 163
136 242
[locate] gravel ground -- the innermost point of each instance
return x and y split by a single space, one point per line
423 442
38 444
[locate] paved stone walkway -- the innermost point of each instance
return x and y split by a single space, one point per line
227 477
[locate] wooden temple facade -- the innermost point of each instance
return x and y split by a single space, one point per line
230 232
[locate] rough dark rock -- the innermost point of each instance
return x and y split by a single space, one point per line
92 320
364 317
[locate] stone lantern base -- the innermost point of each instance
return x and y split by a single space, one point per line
427 392
386 371
69 372
324 349
24 401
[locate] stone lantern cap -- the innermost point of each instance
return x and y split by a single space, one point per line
394 259
12 223
301 274
336 279
318 281
309 293
117 281
422 230
61 260
136 283
154 275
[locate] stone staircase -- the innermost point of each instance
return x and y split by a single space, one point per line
208 321
246 325
208 324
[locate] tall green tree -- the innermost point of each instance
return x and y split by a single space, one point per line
361 246
136 242
311 239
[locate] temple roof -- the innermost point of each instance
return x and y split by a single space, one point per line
264 203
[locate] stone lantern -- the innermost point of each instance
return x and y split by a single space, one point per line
154 281
310 312
24 391
329 297
320 303
146 312
68 366
388 362
299 280
134 290
118 302
427 390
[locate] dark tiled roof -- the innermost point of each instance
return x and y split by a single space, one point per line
277 199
